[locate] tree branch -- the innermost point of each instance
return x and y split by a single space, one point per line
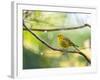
82 54
87 59
56 49
58 29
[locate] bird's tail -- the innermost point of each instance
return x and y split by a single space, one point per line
74 44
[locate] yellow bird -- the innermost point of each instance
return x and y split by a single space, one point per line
64 42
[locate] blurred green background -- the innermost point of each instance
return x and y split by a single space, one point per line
37 55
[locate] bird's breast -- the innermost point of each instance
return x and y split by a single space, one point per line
64 44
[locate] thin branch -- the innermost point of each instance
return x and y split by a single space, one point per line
87 59
56 49
81 53
58 29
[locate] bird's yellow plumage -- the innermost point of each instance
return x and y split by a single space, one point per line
64 42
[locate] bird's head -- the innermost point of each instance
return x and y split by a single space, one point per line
60 37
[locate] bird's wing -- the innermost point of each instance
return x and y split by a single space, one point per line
73 44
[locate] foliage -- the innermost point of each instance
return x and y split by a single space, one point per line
37 55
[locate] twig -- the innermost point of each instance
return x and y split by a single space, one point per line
59 29
87 59
56 49
81 53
